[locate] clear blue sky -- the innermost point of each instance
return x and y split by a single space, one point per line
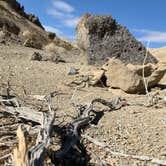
144 18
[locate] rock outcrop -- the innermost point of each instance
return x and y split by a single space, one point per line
102 37
129 78
82 33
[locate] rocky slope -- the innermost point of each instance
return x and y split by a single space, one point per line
18 27
14 21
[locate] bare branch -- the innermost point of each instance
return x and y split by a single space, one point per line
143 71
24 112
5 156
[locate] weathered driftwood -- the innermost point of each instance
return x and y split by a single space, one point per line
20 153
25 113
107 148
37 152
11 100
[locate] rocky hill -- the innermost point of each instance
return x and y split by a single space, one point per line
14 21
18 27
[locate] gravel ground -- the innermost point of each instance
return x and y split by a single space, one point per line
134 129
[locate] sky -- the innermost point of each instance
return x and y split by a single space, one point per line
145 19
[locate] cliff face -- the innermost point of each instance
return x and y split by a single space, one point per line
102 37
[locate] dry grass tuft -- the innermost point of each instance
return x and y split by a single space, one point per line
52 48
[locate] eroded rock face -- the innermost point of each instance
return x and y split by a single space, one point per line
82 33
102 37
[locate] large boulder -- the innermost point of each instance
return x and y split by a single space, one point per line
129 78
160 55
102 37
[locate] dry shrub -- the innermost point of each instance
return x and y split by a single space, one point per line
52 48
62 43
31 40
29 35
2 34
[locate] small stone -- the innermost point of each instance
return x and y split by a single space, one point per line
36 56
73 71
57 59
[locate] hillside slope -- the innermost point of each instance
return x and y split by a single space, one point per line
18 27
13 15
